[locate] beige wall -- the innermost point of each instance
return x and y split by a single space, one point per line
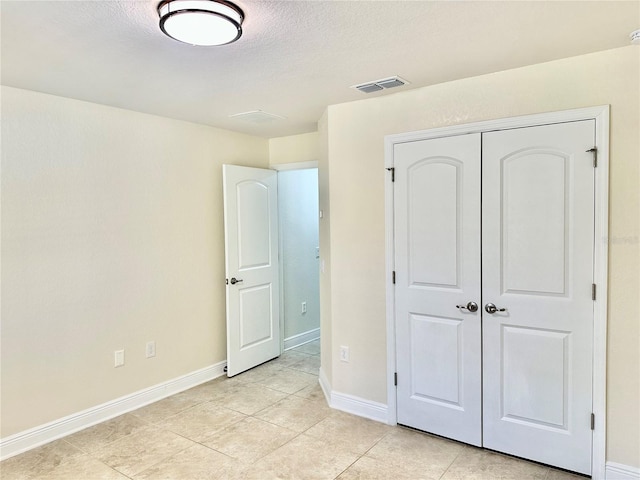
294 149
112 235
355 145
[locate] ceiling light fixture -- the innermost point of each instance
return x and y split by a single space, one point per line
201 22
635 37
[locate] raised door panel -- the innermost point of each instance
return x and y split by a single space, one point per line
255 326
254 233
437 343
434 222
534 222
535 388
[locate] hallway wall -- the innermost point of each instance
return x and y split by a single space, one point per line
298 211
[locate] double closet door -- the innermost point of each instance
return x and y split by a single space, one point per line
494 273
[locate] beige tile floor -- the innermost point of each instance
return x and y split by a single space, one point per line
269 423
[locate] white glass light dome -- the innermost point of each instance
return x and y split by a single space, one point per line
201 22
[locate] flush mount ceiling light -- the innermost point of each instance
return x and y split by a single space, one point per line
635 37
201 22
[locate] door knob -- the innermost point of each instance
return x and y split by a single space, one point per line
235 280
471 306
491 308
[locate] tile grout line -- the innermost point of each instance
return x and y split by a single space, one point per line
464 447
363 454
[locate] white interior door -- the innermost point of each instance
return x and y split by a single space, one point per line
537 249
437 262
251 255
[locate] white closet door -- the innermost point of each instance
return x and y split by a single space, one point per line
437 261
537 249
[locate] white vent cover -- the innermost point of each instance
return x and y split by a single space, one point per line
378 85
257 117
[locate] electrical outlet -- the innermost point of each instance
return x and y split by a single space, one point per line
151 349
344 353
304 307
119 358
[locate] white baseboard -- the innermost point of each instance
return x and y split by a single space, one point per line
325 385
352 404
34 437
359 406
617 471
301 338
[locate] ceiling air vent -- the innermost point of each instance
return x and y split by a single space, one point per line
368 87
377 85
257 117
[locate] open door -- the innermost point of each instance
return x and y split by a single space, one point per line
251 263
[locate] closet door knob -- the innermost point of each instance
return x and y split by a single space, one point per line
471 306
491 308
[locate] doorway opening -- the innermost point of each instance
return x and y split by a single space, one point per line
299 256
272 278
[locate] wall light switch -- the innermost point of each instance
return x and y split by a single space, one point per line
119 358
151 349
344 354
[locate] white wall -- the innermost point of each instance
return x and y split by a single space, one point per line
112 235
298 212
352 178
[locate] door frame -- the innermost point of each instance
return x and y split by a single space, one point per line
601 230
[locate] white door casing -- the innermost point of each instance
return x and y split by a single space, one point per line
437 184
549 197
251 266
537 263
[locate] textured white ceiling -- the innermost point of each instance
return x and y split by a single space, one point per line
294 58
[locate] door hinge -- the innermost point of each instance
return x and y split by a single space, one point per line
593 291
593 421
393 277
393 173
395 379
594 150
